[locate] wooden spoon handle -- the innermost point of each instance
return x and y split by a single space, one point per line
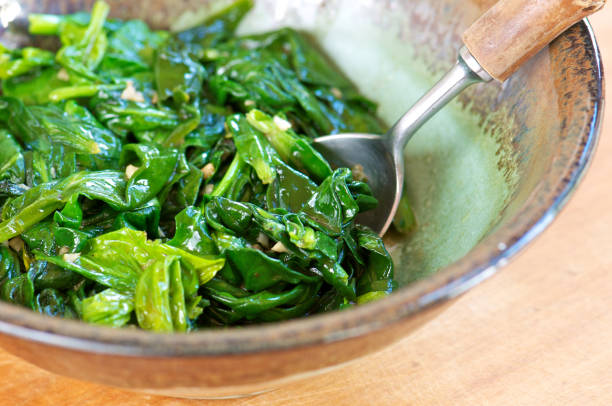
512 31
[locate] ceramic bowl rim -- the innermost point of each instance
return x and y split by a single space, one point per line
480 263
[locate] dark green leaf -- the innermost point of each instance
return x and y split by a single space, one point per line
260 271
9 264
378 274
50 302
18 290
192 234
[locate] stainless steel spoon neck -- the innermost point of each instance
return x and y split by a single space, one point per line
466 72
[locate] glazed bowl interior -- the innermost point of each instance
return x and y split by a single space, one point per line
484 176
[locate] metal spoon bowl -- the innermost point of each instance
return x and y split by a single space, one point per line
382 156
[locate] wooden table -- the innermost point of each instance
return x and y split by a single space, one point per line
538 333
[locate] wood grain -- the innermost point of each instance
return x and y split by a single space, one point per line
538 333
512 31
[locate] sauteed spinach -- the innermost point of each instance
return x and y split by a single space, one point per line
167 179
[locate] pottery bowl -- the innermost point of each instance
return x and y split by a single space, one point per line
485 176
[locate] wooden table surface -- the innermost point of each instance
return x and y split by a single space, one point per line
538 333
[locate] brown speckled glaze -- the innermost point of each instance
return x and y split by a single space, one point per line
545 121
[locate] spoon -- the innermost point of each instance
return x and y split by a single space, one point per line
495 46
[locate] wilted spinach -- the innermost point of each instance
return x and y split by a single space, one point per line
168 180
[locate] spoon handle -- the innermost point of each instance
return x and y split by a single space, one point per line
466 72
512 31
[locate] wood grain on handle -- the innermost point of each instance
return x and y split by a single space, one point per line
512 31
